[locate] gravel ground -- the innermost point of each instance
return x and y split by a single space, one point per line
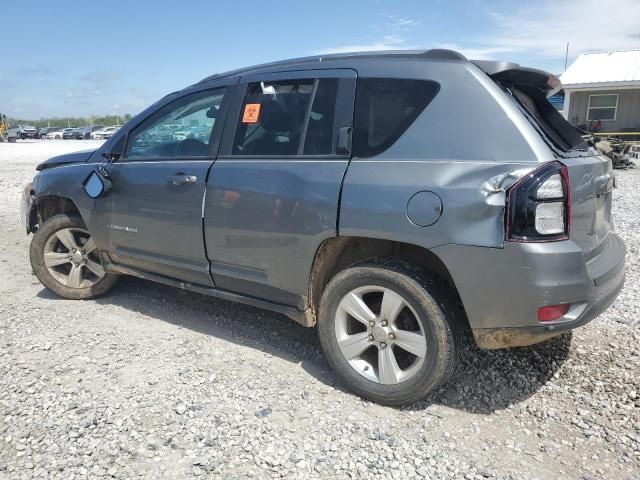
153 382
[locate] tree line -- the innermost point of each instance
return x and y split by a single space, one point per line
65 122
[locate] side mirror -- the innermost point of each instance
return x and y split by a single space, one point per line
96 184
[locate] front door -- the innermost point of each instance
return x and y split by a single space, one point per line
154 211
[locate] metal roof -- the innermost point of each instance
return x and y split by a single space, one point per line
605 69
433 54
489 67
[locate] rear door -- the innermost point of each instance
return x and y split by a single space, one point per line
273 193
153 214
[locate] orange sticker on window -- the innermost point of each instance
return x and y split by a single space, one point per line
251 113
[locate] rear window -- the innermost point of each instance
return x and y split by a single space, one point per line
287 118
553 125
385 108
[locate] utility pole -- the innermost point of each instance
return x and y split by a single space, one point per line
566 57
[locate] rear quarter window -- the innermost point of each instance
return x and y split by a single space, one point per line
385 108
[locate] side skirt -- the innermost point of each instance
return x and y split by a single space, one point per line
291 312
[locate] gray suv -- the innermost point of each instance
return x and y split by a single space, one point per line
395 201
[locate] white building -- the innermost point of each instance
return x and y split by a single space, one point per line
602 91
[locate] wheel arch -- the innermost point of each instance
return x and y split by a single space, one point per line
49 205
338 253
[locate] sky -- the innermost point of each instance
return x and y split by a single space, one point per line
80 58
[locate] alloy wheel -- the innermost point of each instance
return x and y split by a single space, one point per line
71 258
379 334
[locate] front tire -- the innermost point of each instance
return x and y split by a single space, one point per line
384 334
65 259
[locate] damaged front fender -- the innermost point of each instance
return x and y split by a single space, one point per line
28 211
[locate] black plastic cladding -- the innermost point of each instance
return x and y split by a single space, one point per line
522 202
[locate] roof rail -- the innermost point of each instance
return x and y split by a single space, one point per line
433 54
443 54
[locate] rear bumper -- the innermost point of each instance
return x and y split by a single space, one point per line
522 336
502 289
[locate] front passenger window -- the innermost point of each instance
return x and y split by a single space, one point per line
180 129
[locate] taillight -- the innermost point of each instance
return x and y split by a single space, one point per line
539 205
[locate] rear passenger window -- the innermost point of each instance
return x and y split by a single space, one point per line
287 118
385 108
319 137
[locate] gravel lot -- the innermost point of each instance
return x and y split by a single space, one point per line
152 382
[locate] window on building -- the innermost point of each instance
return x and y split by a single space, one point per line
602 107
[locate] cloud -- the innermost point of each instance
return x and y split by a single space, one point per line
397 23
91 86
388 42
395 29
546 27
36 71
478 53
528 30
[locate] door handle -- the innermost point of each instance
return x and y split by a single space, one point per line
181 179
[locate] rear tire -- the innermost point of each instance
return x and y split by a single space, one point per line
401 347
76 277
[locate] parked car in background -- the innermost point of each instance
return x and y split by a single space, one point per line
12 133
68 133
60 133
55 133
42 132
26 131
109 133
344 196
85 132
78 133
105 133
97 135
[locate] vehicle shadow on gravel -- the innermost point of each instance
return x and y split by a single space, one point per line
490 380
487 380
